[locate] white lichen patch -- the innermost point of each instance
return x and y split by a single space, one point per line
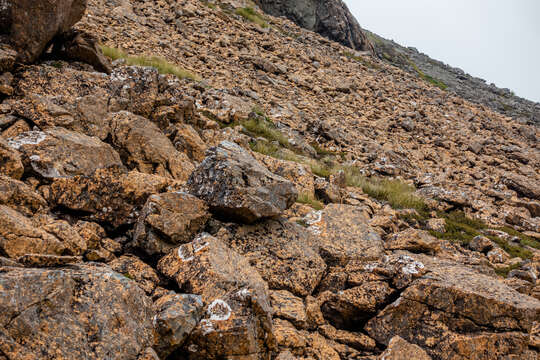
206 326
185 254
243 294
219 310
27 138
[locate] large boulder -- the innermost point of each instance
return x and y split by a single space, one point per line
168 220
19 196
331 19
31 25
110 196
237 318
343 233
10 160
58 152
144 147
79 312
238 187
524 186
281 252
460 314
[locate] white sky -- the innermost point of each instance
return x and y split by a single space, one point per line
497 40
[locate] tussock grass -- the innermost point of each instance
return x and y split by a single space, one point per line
250 14
361 60
262 126
160 64
308 199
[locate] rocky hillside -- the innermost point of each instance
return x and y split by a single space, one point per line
198 180
456 80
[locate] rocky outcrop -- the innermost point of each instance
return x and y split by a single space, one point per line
31 26
73 313
238 187
331 19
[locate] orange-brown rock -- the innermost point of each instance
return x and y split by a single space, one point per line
111 196
10 160
72 313
280 251
343 234
399 349
168 220
58 152
132 267
19 196
413 240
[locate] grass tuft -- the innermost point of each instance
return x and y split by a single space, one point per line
160 64
361 60
308 199
250 14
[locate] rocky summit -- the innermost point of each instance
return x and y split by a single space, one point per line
185 179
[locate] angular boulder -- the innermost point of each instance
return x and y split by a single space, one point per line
57 153
108 195
73 313
168 220
134 268
399 349
237 318
343 233
525 186
10 160
144 147
19 196
281 252
459 314
33 24
238 187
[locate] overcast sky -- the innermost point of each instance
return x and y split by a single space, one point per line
497 40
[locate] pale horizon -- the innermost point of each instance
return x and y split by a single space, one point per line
496 40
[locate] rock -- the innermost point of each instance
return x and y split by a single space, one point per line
168 220
458 313
326 191
135 269
38 260
399 349
44 112
144 147
237 187
136 89
331 19
438 225
77 46
7 58
481 244
108 195
19 196
498 256
20 235
10 160
58 152
524 186
288 307
176 317
280 251
33 27
186 140
355 340
237 317
72 313
413 240
342 234
6 80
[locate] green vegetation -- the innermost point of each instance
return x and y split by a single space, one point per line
251 15
160 64
426 77
262 126
361 60
310 200
505 270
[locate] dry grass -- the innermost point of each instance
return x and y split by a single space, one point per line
308 199
250 14
160 64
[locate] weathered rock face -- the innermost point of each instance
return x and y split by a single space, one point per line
281 253
343 234
144 147
58 152
73 313
108 195
400 349
237 318
20 196
34 24
168 220
464 309
238 187
331 19
10 160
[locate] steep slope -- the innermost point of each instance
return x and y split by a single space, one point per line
150 213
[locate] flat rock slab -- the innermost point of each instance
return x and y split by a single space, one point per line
73 313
